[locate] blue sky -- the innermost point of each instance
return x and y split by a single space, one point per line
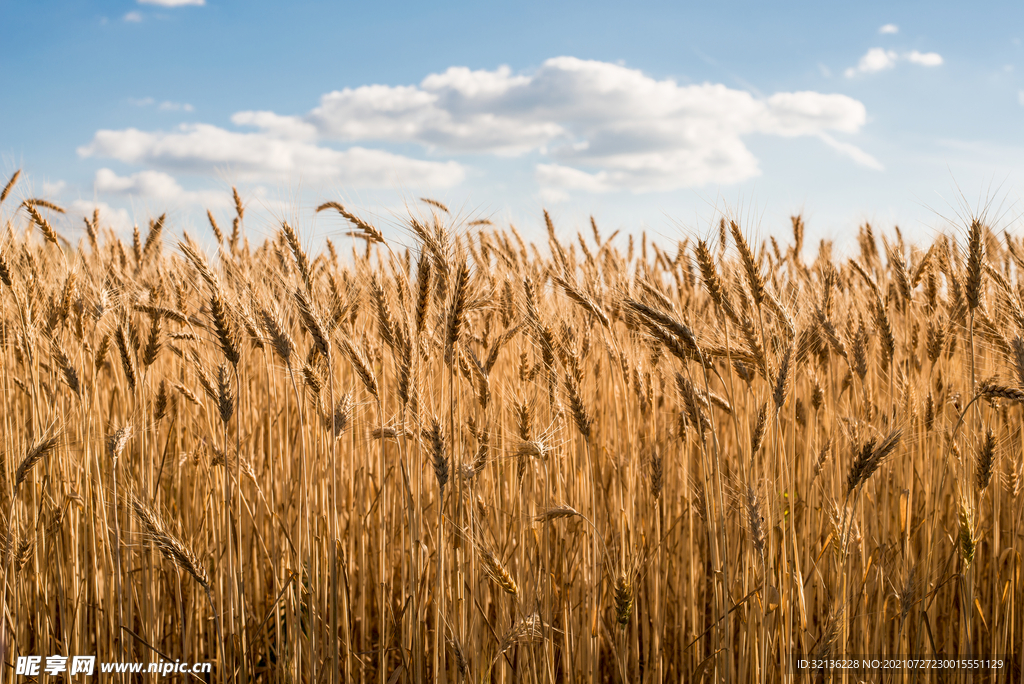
652 118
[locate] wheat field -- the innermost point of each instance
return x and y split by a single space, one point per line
451 456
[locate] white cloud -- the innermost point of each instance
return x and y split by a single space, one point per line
53 188
154 185
889 28
573 179
133 17
929 59
205 149
879 59
874 60
598 126
116 218
810 113
1020 97
459 111
643 134
289 127
173 3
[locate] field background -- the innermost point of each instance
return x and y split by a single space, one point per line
476 459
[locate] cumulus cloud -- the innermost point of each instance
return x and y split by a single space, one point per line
118 218
457 111
597 126
573 179
633 131
880 59
205 149
924 58
173 3
154 185
287 127
889 28
876 59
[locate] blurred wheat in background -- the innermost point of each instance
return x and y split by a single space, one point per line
476 459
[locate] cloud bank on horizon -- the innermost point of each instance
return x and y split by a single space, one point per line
593 127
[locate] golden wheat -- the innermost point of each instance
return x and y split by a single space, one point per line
471 457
